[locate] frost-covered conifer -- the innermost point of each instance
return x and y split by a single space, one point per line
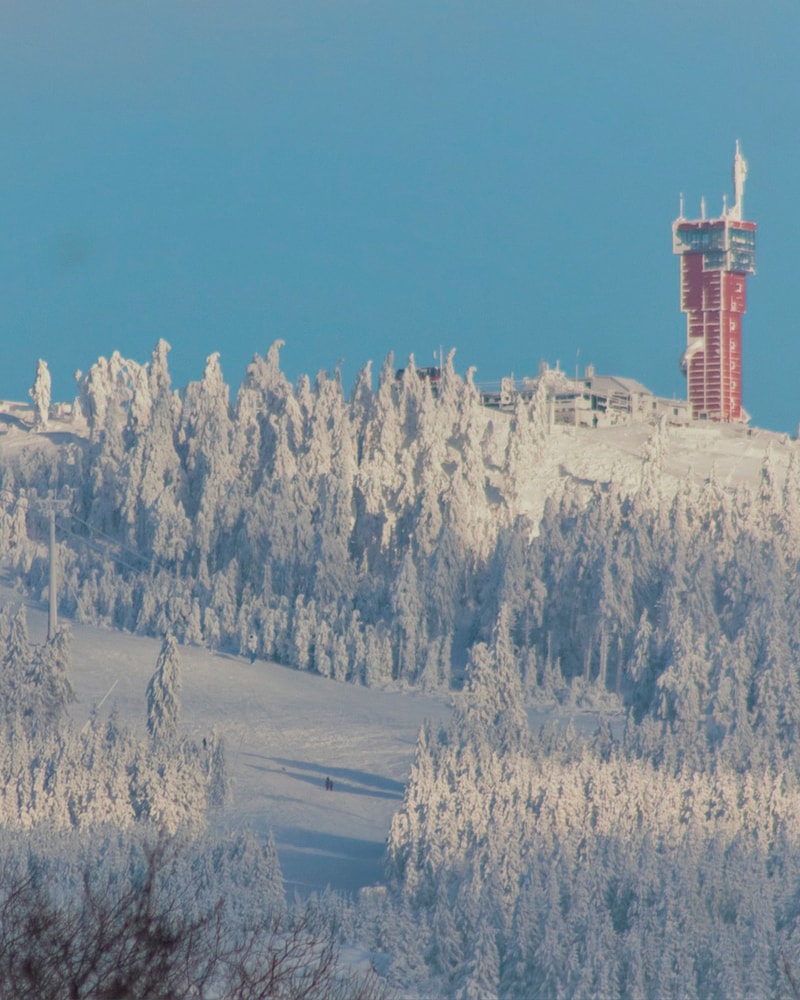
108 380
162 692
408 620
482 977
17 667
447 945
212 485
383 467
51 690
361 402
218 786
524 449
40 394
152 469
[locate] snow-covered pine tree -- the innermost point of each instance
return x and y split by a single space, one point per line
262 396
17 666
162 692
51 690
156 520
40 394
408 620
212 485
526 435
218 785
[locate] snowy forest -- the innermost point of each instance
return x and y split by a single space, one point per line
119 876
388 537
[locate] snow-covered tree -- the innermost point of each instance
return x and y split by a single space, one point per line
162 692
40 394
17 666
51 689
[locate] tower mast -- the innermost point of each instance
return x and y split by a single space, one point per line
716 255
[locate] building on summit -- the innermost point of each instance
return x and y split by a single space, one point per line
588 400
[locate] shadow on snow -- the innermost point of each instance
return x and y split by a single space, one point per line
344 779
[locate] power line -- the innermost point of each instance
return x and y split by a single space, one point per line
100 549
111 539
105 546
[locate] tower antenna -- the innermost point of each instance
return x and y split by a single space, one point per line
739 177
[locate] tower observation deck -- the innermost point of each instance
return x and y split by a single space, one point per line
716 257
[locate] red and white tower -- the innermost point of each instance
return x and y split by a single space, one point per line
716 257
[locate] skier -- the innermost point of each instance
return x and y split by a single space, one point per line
252 646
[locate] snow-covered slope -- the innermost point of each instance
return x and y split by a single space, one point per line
733 454
285 732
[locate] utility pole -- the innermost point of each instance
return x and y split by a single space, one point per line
52 617
50 507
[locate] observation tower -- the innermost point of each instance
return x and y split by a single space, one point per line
716 257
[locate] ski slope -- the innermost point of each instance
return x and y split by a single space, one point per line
285 731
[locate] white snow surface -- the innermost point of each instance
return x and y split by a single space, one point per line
733 453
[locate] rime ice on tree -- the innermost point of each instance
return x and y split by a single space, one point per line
162 691
716 257
40 394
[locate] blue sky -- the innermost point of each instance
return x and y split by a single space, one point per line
363 176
